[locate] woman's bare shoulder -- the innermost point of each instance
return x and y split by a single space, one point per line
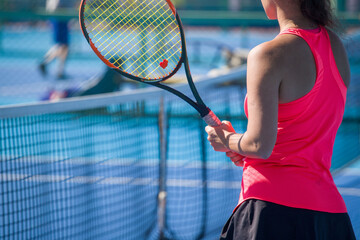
340 56
281 52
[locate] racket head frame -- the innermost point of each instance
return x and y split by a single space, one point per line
183 57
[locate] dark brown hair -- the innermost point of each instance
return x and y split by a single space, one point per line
319 11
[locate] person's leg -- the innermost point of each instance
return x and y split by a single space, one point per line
62 38
50 55
60 50
63 53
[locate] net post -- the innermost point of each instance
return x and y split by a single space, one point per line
204 178
162 169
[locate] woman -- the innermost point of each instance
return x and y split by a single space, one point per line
296 92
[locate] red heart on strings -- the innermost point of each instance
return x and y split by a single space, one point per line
164 63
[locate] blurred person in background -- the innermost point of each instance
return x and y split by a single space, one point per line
296 93
109 81
60 50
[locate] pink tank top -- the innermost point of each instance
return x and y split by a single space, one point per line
297 174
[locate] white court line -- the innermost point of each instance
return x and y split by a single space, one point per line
103 161
350 191
349 172
6 177
139 182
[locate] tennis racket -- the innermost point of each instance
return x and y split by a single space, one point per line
143 40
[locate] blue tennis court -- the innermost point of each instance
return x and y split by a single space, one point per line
87 174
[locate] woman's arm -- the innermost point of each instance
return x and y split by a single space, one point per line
264 76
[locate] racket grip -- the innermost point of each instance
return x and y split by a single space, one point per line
211 119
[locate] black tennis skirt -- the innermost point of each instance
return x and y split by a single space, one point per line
261 220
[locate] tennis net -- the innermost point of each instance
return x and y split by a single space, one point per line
92 168
89 168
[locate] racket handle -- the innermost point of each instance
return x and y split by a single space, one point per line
211 119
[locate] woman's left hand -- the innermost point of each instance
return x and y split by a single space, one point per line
219 136
236 158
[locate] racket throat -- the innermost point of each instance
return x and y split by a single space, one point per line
192 85
211 119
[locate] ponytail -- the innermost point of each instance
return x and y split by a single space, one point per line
319 11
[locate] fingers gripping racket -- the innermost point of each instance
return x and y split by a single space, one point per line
143 40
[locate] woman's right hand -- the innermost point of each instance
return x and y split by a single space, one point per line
236 158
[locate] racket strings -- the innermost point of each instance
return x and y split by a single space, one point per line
135 35
100 14
113 11
104 34
142 38
160 50
112 22
115 39
142 57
